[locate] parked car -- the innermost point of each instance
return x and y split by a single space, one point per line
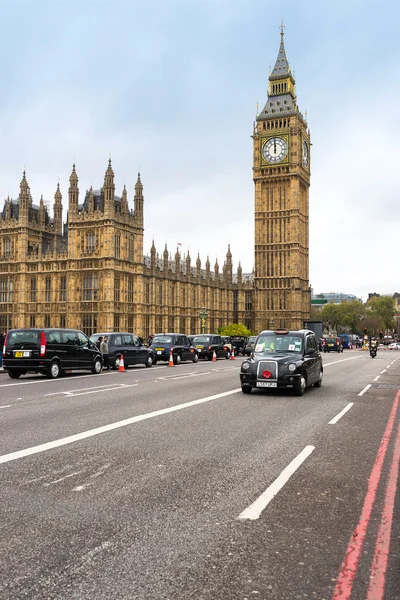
394 346
283 359
129 345
50 352
333 344
179 343
206 344
249 347
239 343
227 341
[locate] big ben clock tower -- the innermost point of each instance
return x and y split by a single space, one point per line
281 174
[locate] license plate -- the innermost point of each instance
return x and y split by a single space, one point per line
22 354
199 347
267 384
159 351
330 344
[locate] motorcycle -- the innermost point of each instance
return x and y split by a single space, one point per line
372 352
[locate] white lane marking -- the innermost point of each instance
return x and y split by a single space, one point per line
388 366
364 390
62 478
6 406
184 376
255 509
105 428
376 378
342 360
340 415
82 391
44 380
384 371
79 488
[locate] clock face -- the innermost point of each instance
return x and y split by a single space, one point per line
275 150
305 154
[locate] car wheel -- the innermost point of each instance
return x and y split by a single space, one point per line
14 374
116 364
154 361
97 366
149 361
246 390
177 359
54 370
318 383
302 386
228 355
196 358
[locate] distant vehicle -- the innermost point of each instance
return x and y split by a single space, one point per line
50 352
283 359
179 344
239 343
394 346
344 338
130 346
333 344
248 349
207 343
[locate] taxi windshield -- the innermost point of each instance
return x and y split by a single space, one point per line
201 339
162 339
278 343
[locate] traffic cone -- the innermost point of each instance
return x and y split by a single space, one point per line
214 358
171 360
233 354
121 364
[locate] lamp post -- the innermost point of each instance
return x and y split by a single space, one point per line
203 317
271 324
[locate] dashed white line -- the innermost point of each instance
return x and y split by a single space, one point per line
384 371
255 509
376 378
339 361
106 428
340 415
364 390
6 406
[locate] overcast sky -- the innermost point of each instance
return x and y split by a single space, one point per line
171 88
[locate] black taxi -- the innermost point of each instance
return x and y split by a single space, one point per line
283 359
163 344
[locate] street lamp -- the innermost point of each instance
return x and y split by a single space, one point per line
271 324
203 317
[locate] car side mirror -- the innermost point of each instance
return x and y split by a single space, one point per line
310 351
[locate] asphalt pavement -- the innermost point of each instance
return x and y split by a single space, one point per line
169 483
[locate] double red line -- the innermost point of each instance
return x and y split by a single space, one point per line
349 566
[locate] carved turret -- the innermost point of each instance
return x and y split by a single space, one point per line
153 255
166 257
188 264
8 209
228 266
239 274
138 200
24 196
73 193
91 200
41 211
109 192
177 262
124 203
198 265
57 208
216 269
208 267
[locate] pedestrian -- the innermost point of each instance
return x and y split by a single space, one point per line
104 351
98 343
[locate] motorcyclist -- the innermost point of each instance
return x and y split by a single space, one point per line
373 346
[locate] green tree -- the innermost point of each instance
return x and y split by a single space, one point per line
382 307
234 329
350 314
330 315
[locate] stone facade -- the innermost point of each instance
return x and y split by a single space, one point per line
91 273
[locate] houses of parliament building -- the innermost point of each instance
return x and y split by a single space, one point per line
90 273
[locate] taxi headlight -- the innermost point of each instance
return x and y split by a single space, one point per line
245 366
292 367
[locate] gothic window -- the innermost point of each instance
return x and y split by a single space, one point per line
130 249
172 293
248 301
62 321
130 322
63 289
160 295
33 290
47 293
235 300
117 289
130 290
3 289
89 287
32 321
90 245
89 324
47 321
147 293
116 322
117 243
10 290
7 247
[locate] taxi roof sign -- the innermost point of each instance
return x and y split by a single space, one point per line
281 331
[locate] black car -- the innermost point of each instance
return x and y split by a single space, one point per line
129 345
179 343
208 343
239 344
333 344
283 359
249 347
50 352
